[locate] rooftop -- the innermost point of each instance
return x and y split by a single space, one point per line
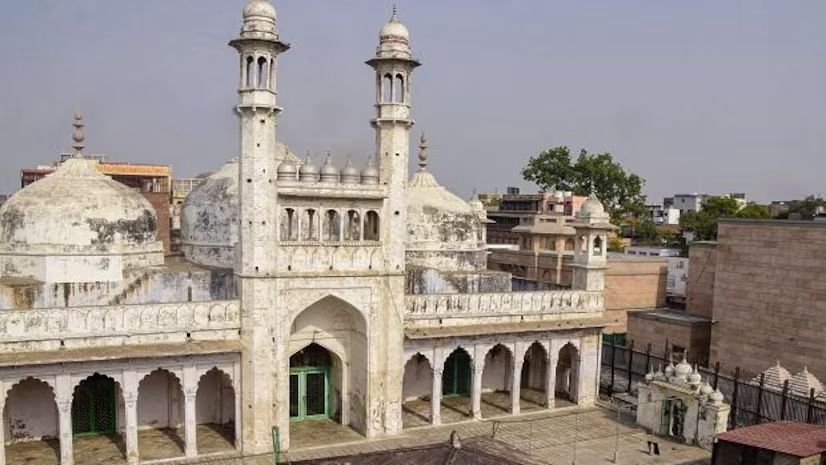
797 439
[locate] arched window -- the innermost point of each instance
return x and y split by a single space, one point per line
249 73
289 225
272 73
309 225
353 230
331 229
398 89
263 77
371 226
597 245
387 89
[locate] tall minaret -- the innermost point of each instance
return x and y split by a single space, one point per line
258 47
394 65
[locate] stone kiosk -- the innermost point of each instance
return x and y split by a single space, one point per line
679 404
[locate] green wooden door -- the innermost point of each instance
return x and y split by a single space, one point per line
456 379
93 406
309 393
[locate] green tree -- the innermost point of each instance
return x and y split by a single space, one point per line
619 190
703 224
755 211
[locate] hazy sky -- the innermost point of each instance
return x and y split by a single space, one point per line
695 96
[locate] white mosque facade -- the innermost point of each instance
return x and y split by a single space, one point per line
305 292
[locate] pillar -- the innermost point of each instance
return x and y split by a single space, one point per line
236 389
64 416
516 384
2 426
190 388
64 393
550 382
476 389
436 398
131 406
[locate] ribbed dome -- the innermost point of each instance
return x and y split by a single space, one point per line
349 174
78 211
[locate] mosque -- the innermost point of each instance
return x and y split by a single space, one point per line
305 293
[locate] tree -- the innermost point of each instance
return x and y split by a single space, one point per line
703 224
617 189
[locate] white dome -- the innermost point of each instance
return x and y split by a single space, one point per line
394 29
592 207
77 211
259 8
210 214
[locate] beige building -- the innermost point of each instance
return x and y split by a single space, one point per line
361 297
543 255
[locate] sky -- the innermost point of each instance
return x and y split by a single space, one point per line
708 96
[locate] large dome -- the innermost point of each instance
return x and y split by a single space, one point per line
210 215
443 230
77 211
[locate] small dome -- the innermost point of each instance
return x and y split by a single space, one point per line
706 389
649 377
716 397
329 172
394 28
682 370
803 382
349 174
287 171
308 171
370 175
592 207
259 8
695 378
774 376
669 369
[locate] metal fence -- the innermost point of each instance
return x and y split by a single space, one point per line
752 401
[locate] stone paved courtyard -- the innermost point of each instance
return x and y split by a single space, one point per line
551 437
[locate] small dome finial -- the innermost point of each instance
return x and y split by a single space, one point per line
395 16
77 136
423 153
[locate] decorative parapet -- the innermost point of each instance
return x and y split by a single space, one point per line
51 329
501 307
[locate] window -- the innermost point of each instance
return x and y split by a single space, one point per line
249 73
289 225
353 230
371 226
263 77
398 89
309 225
387 89
331 229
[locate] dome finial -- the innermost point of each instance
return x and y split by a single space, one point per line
394 18
78 137
423 153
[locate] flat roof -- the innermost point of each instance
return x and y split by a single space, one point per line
501 328
787 437
670 316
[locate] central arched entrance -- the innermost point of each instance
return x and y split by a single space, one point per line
311 384
328 366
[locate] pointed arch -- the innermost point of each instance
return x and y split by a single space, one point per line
399 89
387 88
30 411
215 407
263 77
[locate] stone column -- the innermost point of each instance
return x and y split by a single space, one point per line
190 388
236 389
64 393
550 382
131 404
476 391
516 385
2 427
64 416
436 399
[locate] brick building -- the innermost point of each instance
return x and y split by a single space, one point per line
756 297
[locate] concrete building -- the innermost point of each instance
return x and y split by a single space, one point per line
525 210
663 215
781 442
694 202
360 296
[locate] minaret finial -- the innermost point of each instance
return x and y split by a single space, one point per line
78 136
395 16
423 153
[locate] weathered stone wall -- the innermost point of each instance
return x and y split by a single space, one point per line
161 202
770 295
431 281
651 328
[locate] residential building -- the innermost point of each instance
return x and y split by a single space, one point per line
694 202
524 210
305 292
664 215
781 442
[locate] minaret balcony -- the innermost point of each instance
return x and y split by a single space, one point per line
255 98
